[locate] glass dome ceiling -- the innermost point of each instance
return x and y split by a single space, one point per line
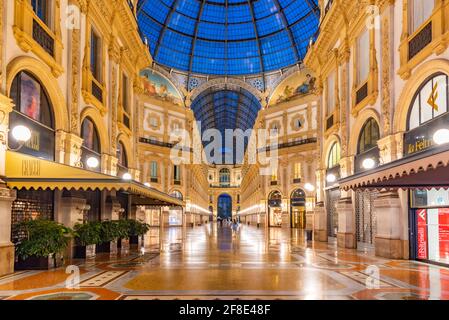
228 37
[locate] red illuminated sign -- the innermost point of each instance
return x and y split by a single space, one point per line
421 218
443 230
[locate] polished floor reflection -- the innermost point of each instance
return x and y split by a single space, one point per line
213 262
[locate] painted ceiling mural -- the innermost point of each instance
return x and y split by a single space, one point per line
299 84
159 87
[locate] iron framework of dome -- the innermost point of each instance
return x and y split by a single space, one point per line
228 37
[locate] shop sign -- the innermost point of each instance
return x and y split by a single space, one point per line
421 138
443 230
421 218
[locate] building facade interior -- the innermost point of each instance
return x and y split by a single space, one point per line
292 147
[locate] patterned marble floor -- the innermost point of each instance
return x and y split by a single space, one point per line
212 262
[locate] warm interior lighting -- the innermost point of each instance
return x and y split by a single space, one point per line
441 136
92 162
309 187
127 177
331 178
369 163
21 134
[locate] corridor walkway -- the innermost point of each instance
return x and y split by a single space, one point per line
214 263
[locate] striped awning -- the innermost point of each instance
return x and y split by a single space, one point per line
30 173
426 170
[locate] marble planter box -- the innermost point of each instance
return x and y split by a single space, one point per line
85 252
39 263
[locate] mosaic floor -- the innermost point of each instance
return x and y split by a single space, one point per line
211 262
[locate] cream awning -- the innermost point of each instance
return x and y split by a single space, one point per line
421 171
30 173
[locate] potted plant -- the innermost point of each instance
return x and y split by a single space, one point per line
124 230
43 245
137 231
109 234
87 236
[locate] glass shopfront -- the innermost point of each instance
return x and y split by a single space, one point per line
298 209
275 209
430 229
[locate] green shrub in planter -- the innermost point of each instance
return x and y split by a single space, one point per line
138 228
124 228
43 239
88 233
110 231
87 236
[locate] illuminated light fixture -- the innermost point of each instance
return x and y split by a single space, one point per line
147 184
127 177
441 136
309 187
92 162
368 163
21 134
331 178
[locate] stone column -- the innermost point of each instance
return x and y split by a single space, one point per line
346 237
7 196
387 209
109 164
112 209
72 154
320 223
346 224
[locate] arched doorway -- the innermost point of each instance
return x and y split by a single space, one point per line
225 206
298 209
275 209
367 150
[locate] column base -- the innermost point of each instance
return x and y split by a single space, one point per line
6 259
320 235
346 240
390 248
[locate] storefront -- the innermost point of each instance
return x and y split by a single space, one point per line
175 214
422 172
298 209
275 209
367 157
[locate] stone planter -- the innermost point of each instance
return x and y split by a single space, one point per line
107 247
85 252
124 245
39 263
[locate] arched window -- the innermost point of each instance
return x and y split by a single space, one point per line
298 194
369 136
225 176
33 110
176 194
91 155
122 159
275 195
334 156
430 101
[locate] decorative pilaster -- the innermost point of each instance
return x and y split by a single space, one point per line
388 241
75 81
386 32
346 222
7 196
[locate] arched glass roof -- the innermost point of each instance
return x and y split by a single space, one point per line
228 37
226 108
